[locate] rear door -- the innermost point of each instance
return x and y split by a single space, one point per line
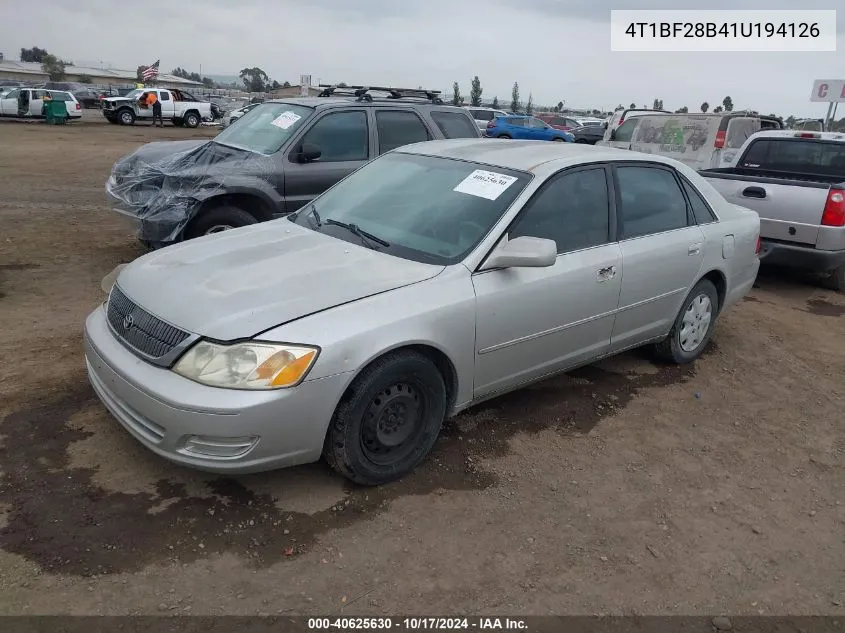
662 251
346 141
395 128
168 105
36 103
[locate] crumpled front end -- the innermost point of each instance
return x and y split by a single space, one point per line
159 194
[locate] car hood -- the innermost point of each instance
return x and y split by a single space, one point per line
242 282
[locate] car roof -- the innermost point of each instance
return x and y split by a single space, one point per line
822 136
527 155
316 102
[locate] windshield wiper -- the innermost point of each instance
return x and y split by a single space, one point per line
315 223
357 230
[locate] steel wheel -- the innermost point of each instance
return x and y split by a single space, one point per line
218 228
695 323
392 424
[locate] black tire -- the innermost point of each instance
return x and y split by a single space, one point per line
673 349
218 219
558 139
358 443
504 136
581 140
192 120
126 117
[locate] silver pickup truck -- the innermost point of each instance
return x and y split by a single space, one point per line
795 181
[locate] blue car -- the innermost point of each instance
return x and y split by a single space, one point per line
524 127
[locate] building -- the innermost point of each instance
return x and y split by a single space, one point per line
32 72
293 91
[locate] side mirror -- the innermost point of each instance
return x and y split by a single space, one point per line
522 252
308 153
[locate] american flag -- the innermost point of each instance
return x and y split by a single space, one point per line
150 72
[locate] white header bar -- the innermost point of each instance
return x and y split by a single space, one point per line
723 31
828 90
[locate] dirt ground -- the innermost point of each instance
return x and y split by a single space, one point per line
623 488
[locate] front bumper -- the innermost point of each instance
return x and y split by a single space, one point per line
202 427
800 257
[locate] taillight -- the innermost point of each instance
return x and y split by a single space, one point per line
621 121
720 139
808 135
78 107
834 208
758 247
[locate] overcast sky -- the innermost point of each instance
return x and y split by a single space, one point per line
555 49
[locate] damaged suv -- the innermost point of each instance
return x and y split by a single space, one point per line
280 156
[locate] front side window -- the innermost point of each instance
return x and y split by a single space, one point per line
573 209
265 129
427 208
165 96
340 136
396 128
516 122
454 124
650 201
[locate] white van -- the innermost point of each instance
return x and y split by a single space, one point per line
701 141
618 118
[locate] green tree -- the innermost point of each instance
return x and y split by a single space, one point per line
705 107
475 92
85 79
632 106
53 66
33 54
456 94
275 85
790 121
208 82
728 103
559 106
619 107
717 109
529 107
515 104
254 79
683 110
496 103
656 105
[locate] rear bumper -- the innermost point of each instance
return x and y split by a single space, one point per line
800 257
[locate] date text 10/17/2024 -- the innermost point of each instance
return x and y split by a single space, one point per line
417 624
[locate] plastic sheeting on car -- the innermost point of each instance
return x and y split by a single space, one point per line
161 186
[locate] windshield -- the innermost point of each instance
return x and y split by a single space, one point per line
265 129
428 209
134 94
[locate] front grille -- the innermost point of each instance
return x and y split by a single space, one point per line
139 329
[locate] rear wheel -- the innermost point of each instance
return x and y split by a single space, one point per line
217 220
389 419
192 119
504 136
693 326
558 139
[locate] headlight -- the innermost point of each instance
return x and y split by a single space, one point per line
247 365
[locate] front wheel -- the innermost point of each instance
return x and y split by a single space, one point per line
217 220
558 139
693 326
388 421
504 136
126 117
192 120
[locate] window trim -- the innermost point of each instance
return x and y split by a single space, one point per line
648 165
377 111
298 140
612 231
686 183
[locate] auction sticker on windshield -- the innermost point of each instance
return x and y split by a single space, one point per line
485 184
285 119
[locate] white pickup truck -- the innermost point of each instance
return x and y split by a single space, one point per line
795 181
177 106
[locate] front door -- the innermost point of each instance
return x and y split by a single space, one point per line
167 104
36 103
344 140
9 103
535 321
662 252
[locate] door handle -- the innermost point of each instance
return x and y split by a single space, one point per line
754 192
694 249
606 273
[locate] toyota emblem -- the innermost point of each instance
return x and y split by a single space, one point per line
128 322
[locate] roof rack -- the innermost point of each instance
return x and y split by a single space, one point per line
362 93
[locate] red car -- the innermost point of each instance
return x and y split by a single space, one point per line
559 122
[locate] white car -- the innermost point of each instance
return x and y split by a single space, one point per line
234 115
28 103
483 116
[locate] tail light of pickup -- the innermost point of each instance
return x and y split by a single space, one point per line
834 208
758 246
719 143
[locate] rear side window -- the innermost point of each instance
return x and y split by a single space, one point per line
60 96
803 156
396 129
455 124
625 132
739 130
700 209
650 201
516 122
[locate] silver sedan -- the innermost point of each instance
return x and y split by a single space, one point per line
439 275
